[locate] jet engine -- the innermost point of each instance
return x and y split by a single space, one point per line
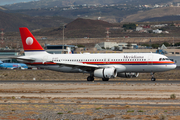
105 73
128 75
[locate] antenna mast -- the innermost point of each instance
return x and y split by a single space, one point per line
107 32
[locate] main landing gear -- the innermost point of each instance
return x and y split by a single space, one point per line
105 79
90 78
153 78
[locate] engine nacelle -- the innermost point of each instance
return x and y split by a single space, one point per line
128 75
105 73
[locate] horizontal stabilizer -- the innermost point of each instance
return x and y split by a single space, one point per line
24 59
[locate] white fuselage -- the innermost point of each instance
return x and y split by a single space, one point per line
122 62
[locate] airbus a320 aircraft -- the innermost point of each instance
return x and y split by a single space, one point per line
103 66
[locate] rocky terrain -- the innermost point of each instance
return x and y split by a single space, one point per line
91 101
40 100
88 112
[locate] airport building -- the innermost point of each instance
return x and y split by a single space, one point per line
109 45
6 55
9 52
58 49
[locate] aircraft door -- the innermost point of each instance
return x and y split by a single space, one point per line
45 59
150 63
150 60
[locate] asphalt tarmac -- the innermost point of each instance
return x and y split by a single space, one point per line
91 82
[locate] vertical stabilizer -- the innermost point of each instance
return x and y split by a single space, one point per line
30 44
69 50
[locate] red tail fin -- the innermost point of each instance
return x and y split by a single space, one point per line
29 42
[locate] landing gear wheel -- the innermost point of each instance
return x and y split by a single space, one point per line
105 79
153 79
90 78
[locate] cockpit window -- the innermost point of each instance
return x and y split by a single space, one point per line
164 59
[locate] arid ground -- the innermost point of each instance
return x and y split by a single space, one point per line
53 75
91 100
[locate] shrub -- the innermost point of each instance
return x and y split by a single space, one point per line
13 97
140 111
70 111
59 113
98 108
173 96
162 117
130 111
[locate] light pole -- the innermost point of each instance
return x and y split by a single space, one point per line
63 38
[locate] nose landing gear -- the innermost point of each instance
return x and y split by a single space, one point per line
153 78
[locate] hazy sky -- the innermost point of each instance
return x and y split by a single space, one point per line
4 2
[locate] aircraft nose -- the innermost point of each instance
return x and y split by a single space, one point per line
173 66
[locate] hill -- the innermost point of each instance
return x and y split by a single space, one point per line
80 28
11 22
2 8
154 13
87 28
162 19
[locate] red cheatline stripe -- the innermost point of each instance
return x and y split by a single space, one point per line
33 49
52 63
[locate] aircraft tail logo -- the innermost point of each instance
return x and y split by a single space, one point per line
30 44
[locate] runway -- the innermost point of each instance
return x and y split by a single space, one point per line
92 82
154 105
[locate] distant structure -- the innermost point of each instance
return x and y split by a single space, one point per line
157 31
107 32
59 49
98 47
178 4
2 36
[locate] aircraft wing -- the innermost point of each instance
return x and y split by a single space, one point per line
86 67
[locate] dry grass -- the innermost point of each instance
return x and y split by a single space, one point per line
53 75
32 109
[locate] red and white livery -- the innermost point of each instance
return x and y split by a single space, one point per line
103 66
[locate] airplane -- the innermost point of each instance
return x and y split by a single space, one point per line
105 66
13 65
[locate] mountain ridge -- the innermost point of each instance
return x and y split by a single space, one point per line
65 3
154 13
11 22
